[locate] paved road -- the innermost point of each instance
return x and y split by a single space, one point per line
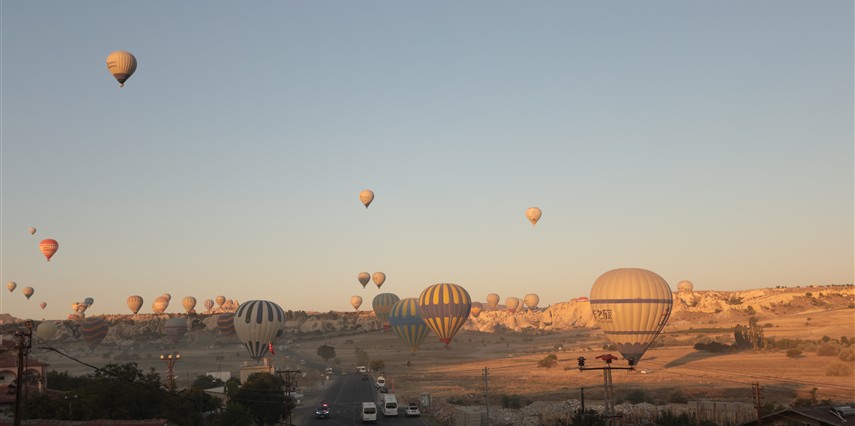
345 396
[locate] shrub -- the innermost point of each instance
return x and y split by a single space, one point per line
637 396
846 355
794 353
828 349
511 401
837 368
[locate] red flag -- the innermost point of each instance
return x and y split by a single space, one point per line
270 348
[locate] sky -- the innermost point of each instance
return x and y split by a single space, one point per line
704 141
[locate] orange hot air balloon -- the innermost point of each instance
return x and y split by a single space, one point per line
122 65
533 214
492 300
28 292
48 248
379 278
366 196
476 309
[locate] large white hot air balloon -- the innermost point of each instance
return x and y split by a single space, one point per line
533 214
257 323
366 196
632 306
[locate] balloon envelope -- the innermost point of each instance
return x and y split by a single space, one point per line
135 303
88 301
257 323
476 309
188 303
28 292
209 304
43 305
356 302
48 248
445 308
533 214
175 329
363 278
226 324
32 231
492 300
220 300
93 330
366 196
122 65
379 278
11 285
406 319
531 300
685 287
160 304
512 303
631 305
382 305
46 330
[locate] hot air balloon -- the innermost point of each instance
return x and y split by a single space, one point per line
531 300
366 196
75 317
88 301
160 304
135 303
188 303
122 65
94 329
363 278
11 285
48 248
492 300
632 306
533 214
167 296
226 324
257 323
379 278
209 304
32 231
82 307
382 305
512 303
356 302
476 309
74 306
28 292
445 308
43 305
220 300
175 329
685 287
405 318
46 330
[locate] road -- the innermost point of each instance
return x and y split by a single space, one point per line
345 396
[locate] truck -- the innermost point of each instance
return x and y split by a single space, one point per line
390 404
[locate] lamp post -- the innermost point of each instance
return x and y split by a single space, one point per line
170 360
70 398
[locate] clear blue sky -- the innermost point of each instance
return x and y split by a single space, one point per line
705 141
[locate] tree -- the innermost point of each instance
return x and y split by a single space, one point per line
326 352
548 362
362 357
206 382
263 398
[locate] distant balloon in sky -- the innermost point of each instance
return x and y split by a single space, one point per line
48 248
257 323
175 329
74 306
476 309
366 196
189 303
11 285
531 300
445 308
632 306
167 296
512 303
82 307
685 287
93 330
221 300
135 303
28 292
122 65
382 305
406 320
364 278
43 305
533 214
379 278
88 301
46 330
492 300
32 231
160 304
356 302
209 304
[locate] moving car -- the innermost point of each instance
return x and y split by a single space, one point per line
413 410
323 411
364 377
369 412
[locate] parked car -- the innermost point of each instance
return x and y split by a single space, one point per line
323 411
382 389
364 377
413 410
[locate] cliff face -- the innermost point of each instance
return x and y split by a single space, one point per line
689 307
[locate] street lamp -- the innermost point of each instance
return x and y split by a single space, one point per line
170 360
70 398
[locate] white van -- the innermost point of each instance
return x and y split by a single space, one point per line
361 369
369 412
390 405
381 382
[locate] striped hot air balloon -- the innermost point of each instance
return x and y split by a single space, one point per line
174 329
122 65
160 304
632 306
48 248
135 303
257 324
445 308
226 324
209 304
189 303
221 300
406 319
93 330
382 305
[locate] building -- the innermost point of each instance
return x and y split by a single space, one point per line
820 415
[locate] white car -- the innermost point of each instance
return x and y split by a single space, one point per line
413 410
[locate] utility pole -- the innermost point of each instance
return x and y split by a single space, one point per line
22 345
757 390
582 397
170 360
609 412
486 395
290 379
